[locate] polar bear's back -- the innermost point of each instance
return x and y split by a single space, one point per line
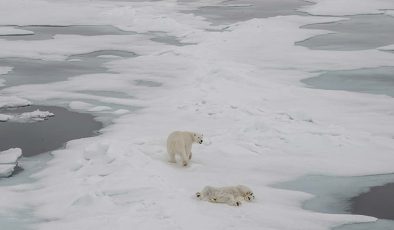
179 139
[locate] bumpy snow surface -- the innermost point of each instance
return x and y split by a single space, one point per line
237 84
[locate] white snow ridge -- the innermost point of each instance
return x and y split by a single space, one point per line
8 161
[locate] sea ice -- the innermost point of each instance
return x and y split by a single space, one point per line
239 86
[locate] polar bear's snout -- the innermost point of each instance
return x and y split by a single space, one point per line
200 142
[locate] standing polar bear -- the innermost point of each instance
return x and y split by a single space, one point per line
232 195
180 142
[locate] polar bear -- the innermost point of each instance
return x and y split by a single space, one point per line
232 195
180 142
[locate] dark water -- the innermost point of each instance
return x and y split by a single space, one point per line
51 134
359 32
370 80
44 32
242 10
377 202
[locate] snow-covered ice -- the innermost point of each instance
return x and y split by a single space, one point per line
12 101
238 85
8 161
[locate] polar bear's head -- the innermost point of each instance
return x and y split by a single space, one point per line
197 138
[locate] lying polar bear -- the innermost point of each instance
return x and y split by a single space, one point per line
232 195
180 142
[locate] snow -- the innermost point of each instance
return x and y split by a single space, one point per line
238 86
8 161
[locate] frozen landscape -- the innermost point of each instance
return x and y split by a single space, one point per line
240 72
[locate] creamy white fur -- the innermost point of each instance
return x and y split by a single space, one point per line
232 195
180 142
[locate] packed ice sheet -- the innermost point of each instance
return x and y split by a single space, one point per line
238 85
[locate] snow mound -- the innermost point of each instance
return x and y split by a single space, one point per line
8 161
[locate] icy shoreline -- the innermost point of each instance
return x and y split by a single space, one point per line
239 86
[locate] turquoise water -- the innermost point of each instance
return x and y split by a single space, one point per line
372 80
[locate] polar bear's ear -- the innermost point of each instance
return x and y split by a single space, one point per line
194 134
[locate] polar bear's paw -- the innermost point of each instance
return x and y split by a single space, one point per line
237 203
198 195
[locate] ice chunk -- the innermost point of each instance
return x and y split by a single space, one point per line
36 115
10 156
6 170
5 117
8 161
